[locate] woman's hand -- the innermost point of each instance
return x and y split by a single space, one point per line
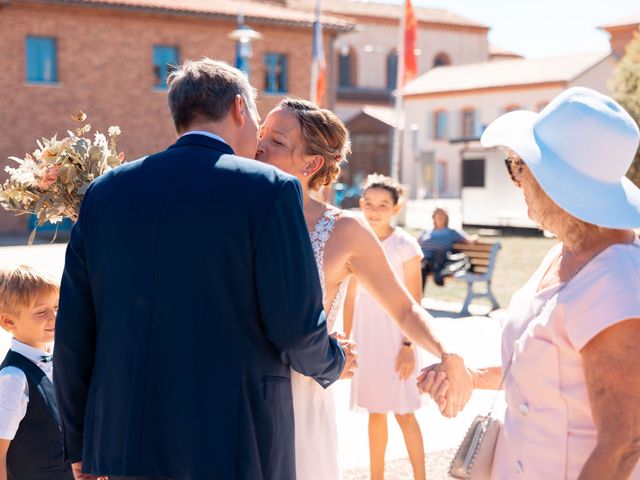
460 383
405 362
435 384
350 352
450 383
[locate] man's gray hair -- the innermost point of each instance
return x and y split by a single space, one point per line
206 89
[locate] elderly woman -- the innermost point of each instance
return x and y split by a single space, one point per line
571 344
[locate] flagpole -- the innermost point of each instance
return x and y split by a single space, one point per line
397 132
313 93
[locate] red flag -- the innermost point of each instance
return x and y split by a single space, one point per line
318 62
410 39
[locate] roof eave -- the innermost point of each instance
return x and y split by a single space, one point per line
591 67
622 26
455 25
349 15
548 83
339 28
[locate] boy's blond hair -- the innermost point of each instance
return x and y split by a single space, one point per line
21 286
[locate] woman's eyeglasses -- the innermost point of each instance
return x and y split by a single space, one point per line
514 167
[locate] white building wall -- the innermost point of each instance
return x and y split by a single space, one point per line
598 77
498 203
372 43
488 105
462 46
346 111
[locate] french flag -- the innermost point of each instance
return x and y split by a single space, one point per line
318 62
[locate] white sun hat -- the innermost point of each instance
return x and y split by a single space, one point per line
579 148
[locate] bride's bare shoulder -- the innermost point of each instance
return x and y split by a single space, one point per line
351 223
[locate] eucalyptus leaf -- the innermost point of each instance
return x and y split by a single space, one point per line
32 237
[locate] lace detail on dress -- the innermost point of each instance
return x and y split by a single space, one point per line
319 237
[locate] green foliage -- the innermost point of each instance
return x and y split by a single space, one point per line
626 90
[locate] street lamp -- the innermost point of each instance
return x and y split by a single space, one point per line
243 36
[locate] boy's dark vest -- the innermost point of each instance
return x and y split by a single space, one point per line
36 452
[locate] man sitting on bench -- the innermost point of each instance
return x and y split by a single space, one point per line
437 243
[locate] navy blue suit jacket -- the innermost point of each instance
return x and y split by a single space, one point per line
189 290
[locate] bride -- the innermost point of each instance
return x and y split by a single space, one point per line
309 143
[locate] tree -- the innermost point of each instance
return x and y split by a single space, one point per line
626 90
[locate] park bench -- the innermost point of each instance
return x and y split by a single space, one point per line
482 258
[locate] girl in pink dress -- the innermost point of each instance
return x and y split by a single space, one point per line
386 378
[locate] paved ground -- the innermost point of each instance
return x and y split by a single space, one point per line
476 337
437 468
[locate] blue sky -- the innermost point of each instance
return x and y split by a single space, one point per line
541 28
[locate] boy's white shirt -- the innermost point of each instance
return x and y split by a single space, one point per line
14 389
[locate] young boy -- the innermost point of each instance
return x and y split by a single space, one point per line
30 435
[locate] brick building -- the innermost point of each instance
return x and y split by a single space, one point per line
109 58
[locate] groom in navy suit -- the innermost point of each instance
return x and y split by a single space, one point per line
189 291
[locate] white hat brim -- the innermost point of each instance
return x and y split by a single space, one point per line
610 205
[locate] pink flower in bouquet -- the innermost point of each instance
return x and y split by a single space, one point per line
49 177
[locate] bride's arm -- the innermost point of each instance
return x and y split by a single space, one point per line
371 268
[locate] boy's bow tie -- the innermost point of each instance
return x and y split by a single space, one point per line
46 358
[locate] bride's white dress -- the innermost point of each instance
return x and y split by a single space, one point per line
317 456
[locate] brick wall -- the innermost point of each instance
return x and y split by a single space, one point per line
105 68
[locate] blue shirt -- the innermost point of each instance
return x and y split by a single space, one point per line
439 240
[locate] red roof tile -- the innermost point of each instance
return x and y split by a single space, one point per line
253 10
623 22
369 8
503 73
502 52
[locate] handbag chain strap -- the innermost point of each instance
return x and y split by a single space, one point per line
535 315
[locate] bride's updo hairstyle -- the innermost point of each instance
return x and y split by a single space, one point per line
324 134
